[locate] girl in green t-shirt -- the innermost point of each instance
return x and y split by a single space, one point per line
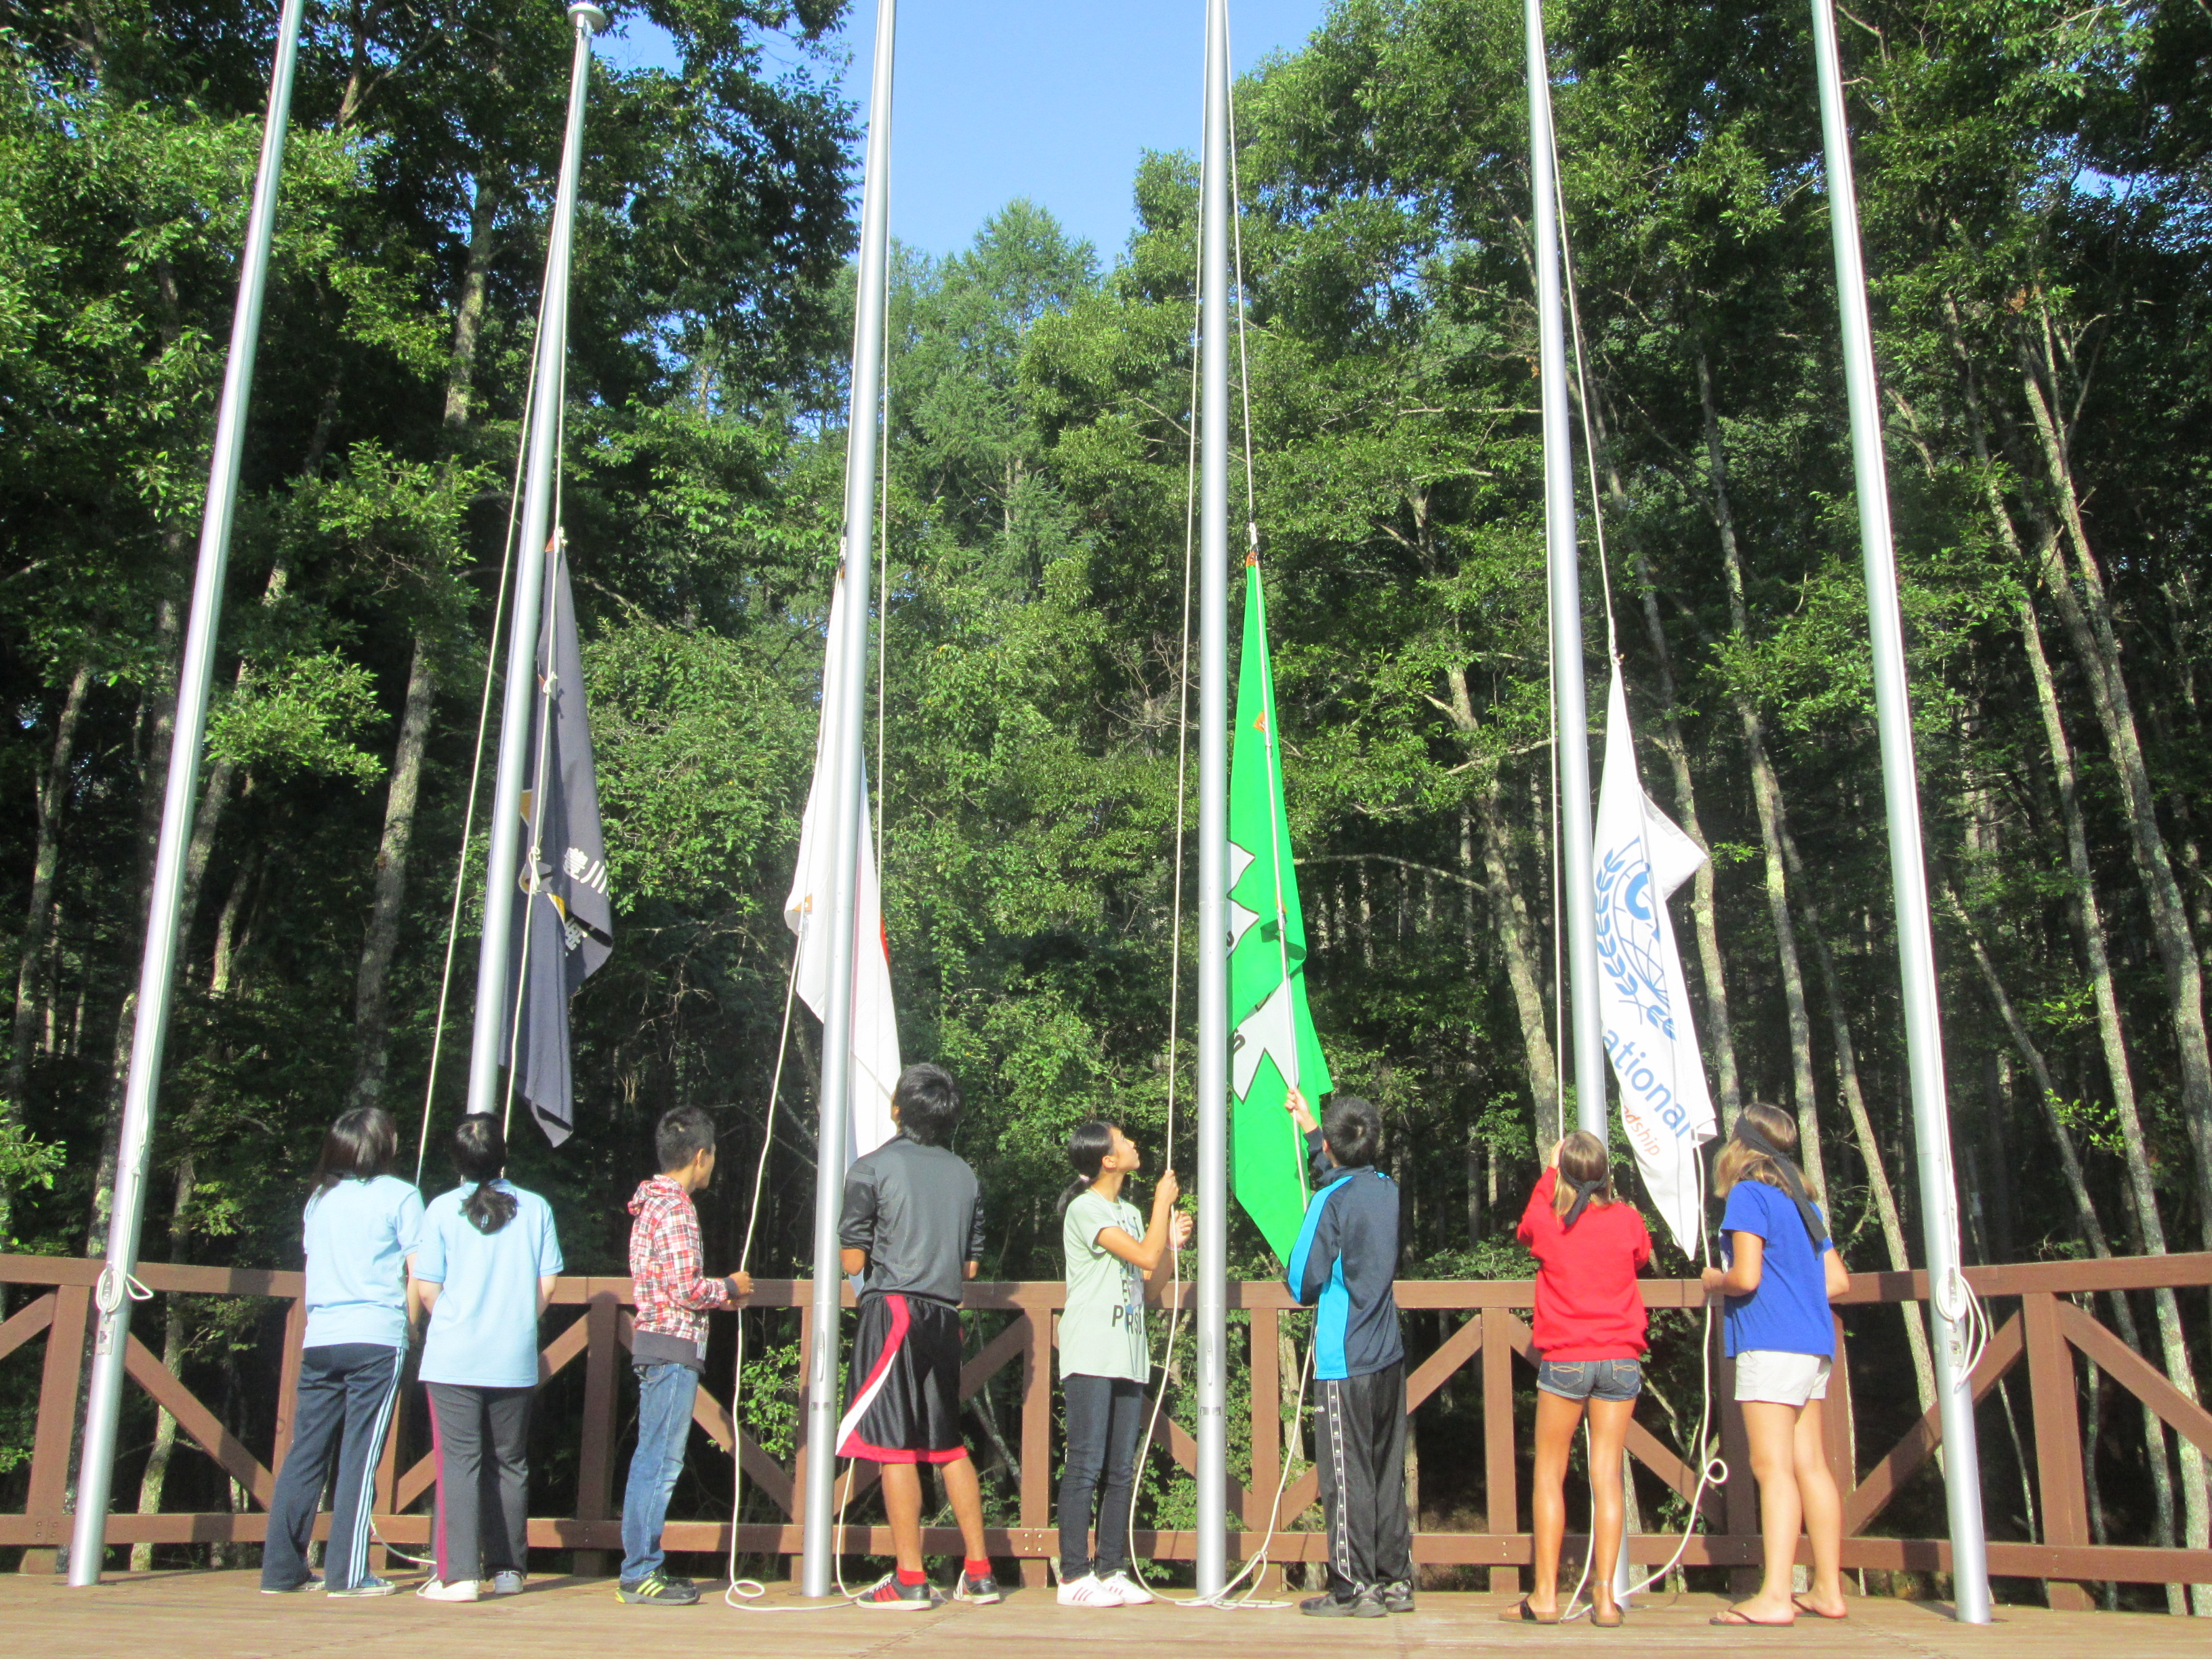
1105 1362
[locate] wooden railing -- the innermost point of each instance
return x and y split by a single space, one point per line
2036 1312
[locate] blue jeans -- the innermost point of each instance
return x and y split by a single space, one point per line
346 1393
665 1391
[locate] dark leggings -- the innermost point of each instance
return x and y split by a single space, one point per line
1103 1416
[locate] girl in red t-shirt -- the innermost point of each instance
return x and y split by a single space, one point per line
1589 1333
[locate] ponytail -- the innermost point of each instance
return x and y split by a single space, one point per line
1088 1144
479 1154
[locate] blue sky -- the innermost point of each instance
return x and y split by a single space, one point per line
1047 99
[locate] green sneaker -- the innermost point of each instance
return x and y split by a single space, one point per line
657 1590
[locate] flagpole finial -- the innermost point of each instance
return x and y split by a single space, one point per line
583 11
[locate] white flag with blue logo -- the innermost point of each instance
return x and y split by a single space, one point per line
1641 859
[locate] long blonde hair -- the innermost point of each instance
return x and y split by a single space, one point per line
1583 1160
1740 1162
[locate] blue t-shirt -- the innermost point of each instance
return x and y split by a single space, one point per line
483 1330
1789 1311
359 1234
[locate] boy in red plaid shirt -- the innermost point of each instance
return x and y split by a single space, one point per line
669 1346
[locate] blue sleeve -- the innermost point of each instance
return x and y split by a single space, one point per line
430 1250
1317 1165
1747 1212
407 1221
548 1242
1314 1257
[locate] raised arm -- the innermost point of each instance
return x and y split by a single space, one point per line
1143 1254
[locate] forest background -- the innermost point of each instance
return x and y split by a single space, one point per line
2036 181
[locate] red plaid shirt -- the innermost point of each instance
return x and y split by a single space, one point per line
672 1291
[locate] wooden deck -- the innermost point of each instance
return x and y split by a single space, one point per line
185 1615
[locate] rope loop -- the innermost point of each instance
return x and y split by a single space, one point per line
114 1284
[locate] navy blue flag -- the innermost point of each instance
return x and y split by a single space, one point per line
564 926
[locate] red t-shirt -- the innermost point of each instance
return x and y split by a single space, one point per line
1587 1302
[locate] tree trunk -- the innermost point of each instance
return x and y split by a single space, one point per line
1766 796
52 803
1516 936
2185 990
372 1017
2089 630
159 713
2091 1228
381 943
1720 1030
1869 1148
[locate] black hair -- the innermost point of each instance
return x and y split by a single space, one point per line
928 1104
681 1136
479 1154
1088 1143
1353 1130
359 1147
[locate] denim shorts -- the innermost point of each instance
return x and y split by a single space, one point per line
1592 1379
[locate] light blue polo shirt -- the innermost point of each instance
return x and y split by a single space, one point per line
359 1234
483 1330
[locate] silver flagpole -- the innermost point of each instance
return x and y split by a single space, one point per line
1213 823
157 967
1908 875
488 1040
848 770
1563 568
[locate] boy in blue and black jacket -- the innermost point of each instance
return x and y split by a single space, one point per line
1346 1261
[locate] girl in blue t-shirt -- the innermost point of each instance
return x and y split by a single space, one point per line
1783 1271
359 1231
483 1272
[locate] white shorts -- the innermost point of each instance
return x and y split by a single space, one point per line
1784 1379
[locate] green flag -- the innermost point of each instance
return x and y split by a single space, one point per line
1272 1043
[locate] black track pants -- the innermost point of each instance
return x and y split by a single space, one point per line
1359 1444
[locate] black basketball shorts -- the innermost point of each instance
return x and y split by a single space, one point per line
905 1382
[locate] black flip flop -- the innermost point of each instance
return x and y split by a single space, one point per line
1524 1615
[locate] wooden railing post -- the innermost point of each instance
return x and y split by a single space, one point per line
56 1434
1501 1486
1267 1426
595 1467
1036 1439
2059 1479
288 1382
1741 1505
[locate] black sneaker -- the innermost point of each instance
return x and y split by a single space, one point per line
291 1589
1397 1595
1363 1603
657 1590
983 1591
889 1596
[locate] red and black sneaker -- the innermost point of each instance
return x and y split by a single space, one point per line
890 1595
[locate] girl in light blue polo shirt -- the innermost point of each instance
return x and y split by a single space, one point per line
359 1228
484 1269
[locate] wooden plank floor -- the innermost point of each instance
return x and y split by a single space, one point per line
187 1615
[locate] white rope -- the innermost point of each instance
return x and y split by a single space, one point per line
739 1592
476 763
113 1285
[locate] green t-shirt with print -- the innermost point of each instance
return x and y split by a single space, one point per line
1102 1331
